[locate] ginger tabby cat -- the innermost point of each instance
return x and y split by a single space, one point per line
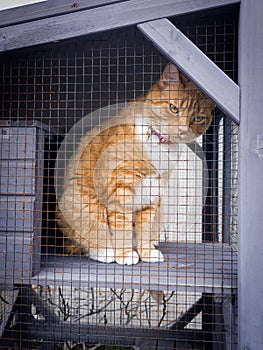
111 202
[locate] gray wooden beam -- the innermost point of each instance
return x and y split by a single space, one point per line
142 338
98 19
194 64
251 176
47 9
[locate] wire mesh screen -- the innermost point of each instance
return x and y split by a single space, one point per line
117 228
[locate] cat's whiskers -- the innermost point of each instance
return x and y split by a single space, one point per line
183 130
182 136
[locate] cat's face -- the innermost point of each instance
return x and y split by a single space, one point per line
177 109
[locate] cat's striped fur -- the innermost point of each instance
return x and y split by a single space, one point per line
110 207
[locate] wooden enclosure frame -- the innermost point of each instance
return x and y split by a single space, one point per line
61 19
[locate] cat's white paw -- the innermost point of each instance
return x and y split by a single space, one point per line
105 255
152 255
131 258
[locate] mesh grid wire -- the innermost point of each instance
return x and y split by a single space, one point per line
71 302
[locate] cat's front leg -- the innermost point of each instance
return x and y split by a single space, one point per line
147 192
147 226
147 201
121 227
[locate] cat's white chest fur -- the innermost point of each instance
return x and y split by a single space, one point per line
162 157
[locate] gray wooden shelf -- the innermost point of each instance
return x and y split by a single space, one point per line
201 267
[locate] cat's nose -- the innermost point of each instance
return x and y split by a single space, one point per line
183 130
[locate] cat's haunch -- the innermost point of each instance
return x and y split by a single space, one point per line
111 205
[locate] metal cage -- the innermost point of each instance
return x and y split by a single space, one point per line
51 299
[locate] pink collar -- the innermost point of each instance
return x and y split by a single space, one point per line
160 137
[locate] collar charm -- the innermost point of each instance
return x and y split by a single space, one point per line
151 132
148 134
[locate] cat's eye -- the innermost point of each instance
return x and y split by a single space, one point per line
198 119
173 108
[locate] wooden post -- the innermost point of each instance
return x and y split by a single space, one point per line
251 176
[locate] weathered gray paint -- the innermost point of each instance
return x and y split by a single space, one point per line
143 338
197 267
250 176
97 20
47 9
195 64
21 187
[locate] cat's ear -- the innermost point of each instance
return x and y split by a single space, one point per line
170 75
